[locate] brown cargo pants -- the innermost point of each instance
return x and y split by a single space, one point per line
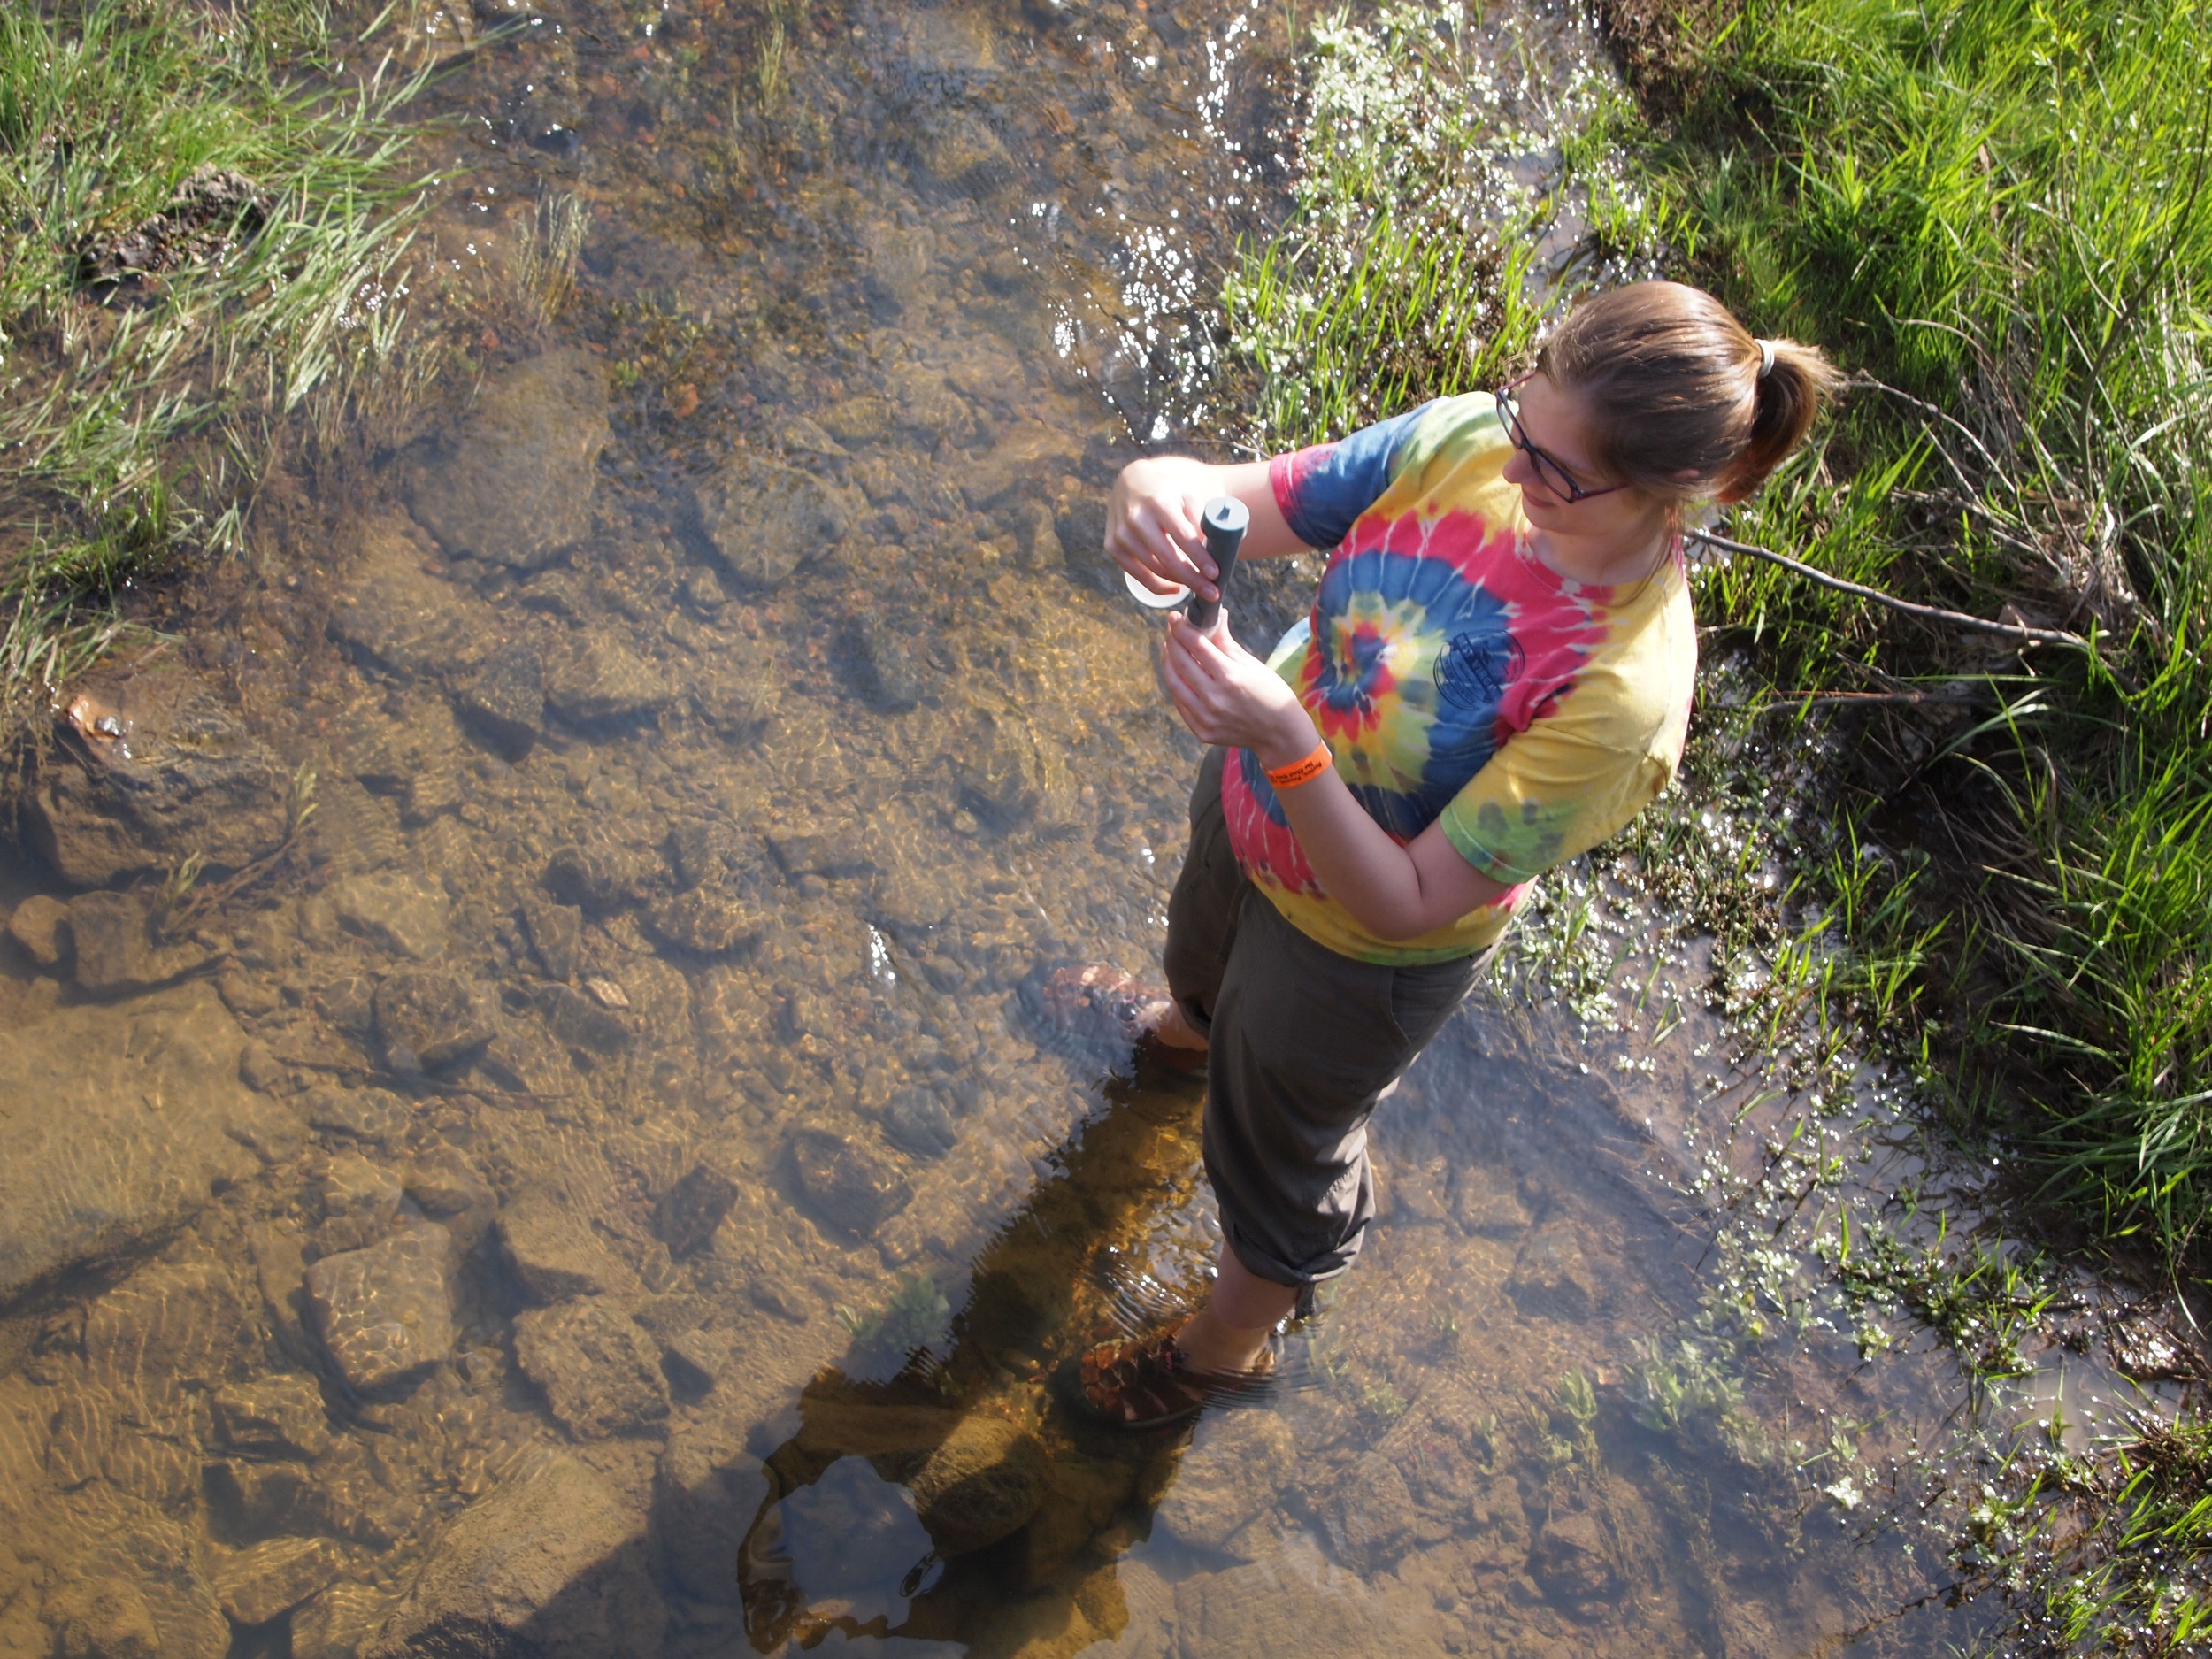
1303 1043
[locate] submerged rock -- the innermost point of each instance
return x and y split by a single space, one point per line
884 665
385 1313
600 876
373 1115
979 1483
554 1255
157 772
277 1416
257 1583
581 1021
707 1492
556 933
1551 1277
395 614
601 1373
1237 1463
517 486
958 147
426 1018
764 520
1037 536
898 259
1488 1203
917 1122
143 1595
851 1186
341 1621
597 677
1571 1559
113 938
117 1123
36 925
1006 777
505 697
706 922
403 913
687 1214
550 1564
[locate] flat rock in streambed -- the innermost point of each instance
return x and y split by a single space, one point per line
505 697
848 1184
764 520
550 1564
553 1252
255 1584
153 771
706 1494
688 1213
594 678
36 926
397 615
140 1588
1006 777
1237 1463
601 1373
119 949
386 1312
515 486
426 1018
117 1122
401 912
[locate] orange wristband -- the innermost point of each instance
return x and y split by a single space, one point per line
1302 771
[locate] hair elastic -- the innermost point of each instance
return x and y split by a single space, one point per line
1766 358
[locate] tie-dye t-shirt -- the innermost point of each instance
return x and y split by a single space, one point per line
1454 674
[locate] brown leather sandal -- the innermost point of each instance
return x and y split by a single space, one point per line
1148 1382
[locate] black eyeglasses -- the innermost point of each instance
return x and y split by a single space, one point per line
1549 471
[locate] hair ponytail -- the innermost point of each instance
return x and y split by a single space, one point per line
1787 397
1685 403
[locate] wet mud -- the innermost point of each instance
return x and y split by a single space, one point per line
523 1135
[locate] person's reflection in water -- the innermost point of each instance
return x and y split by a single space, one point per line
913 1510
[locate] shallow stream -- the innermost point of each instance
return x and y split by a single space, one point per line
592 1188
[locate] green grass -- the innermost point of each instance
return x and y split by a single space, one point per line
1996 213
137 425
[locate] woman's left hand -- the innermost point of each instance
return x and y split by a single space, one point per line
1228 696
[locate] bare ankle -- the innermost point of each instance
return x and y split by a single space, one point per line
1211 1345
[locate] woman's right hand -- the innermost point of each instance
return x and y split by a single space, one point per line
1152 524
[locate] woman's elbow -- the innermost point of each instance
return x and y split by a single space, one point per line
1394 927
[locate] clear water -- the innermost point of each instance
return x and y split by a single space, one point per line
948 259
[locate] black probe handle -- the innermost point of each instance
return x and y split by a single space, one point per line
1225 521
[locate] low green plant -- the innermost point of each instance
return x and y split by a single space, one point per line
1980 1300
915 1315
1405 270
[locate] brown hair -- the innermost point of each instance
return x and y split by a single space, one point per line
1684 401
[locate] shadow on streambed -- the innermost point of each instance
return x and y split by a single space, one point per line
961 1500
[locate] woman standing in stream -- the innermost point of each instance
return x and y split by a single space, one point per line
1496 676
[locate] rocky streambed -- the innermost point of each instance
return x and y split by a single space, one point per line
522 1131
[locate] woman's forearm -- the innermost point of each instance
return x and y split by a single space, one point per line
1227 695
1394 891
